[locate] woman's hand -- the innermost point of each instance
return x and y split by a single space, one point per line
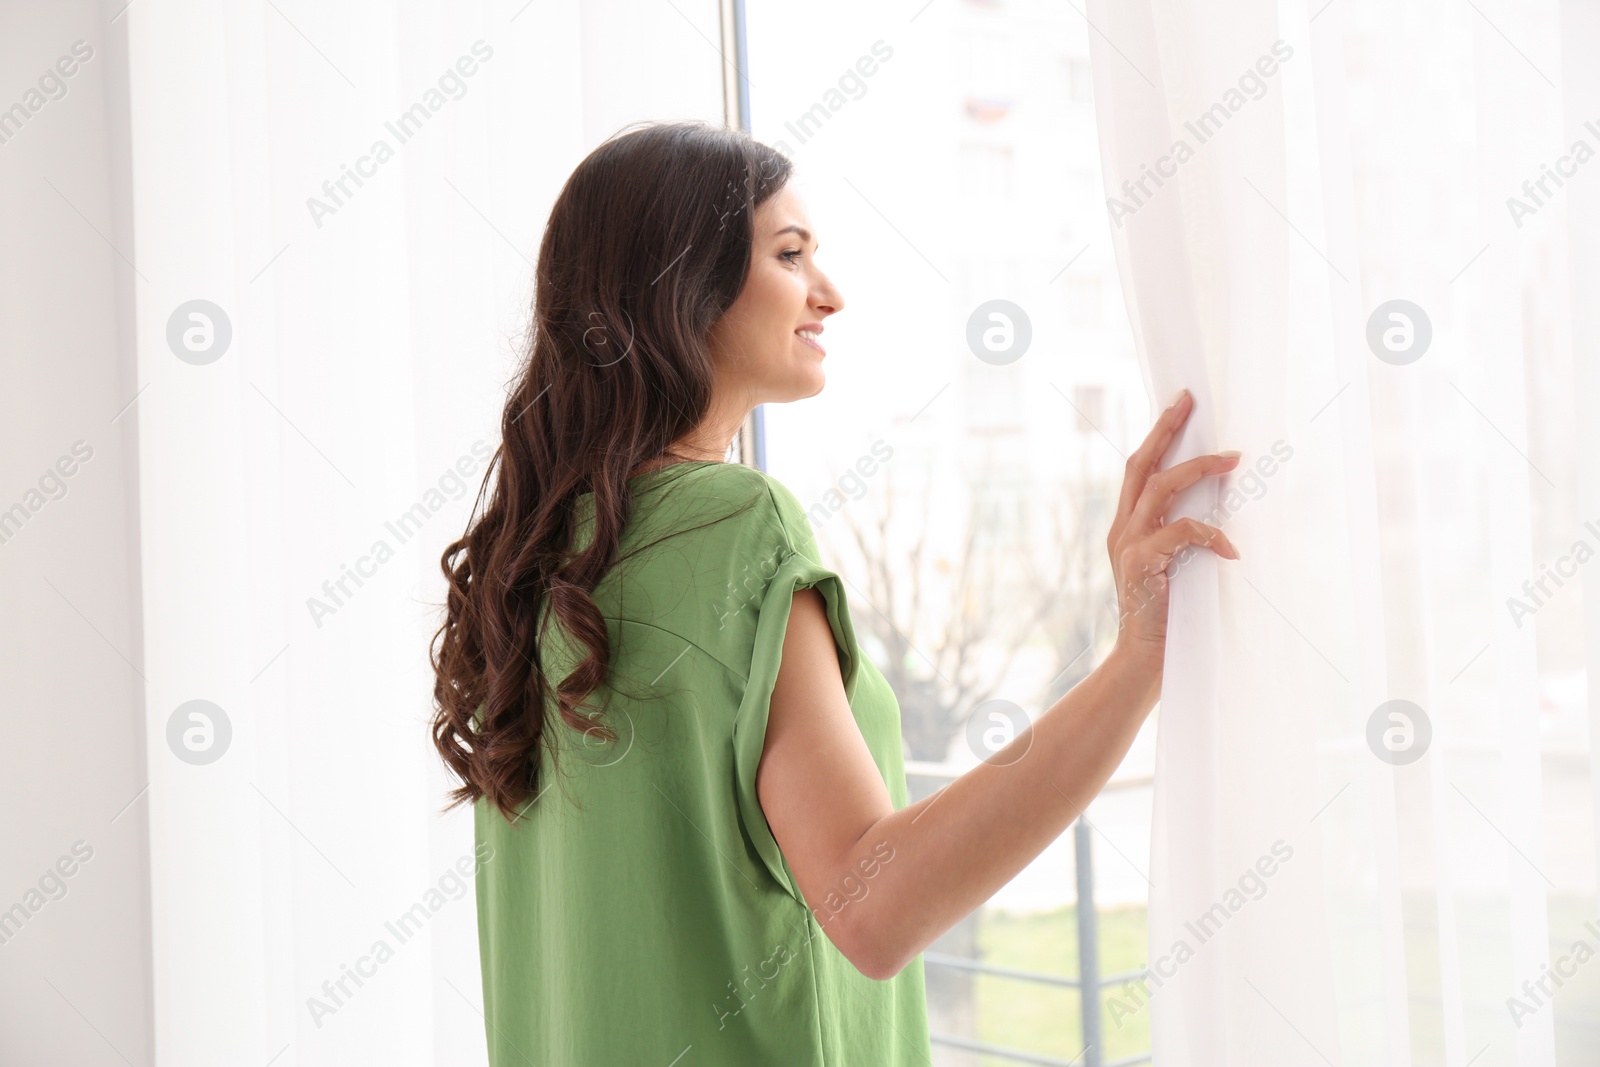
1142 544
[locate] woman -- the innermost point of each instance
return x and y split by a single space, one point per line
728 871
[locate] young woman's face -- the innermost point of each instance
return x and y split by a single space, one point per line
769 345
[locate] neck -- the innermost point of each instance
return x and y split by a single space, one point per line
711 439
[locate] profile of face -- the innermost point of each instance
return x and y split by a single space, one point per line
768 345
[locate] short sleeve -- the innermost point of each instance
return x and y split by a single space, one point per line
797 567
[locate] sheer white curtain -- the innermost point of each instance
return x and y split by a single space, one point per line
1364 236
358 191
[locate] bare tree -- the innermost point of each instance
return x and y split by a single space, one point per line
933 661
933 656
1073 564
935 666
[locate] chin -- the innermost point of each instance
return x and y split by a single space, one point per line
807 383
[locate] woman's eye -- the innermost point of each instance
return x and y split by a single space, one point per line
789 256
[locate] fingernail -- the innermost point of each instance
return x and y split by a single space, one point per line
1179 398
1232 453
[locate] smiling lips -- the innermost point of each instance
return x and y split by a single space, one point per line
809 334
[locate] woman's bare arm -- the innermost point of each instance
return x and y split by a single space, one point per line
885 884
950 852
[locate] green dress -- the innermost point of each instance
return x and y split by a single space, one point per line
639 911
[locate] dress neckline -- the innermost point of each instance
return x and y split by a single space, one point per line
669 466
653 471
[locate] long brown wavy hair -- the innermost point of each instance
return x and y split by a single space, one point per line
648 244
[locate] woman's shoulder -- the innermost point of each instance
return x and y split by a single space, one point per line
702 544
761 496
725 474
790 514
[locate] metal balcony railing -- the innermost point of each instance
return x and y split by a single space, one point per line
1088 981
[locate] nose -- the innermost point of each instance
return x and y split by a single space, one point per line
826 298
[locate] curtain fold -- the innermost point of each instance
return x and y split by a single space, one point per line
1360 236
335 213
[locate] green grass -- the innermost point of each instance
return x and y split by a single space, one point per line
1045 1019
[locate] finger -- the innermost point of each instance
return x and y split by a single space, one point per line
1147 457
1155 553
1164 487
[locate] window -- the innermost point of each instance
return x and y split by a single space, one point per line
949 186
1083 299
1080 86
986 175
1088 401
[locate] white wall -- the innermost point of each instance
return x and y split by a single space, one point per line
75 979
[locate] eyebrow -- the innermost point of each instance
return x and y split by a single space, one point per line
805 234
